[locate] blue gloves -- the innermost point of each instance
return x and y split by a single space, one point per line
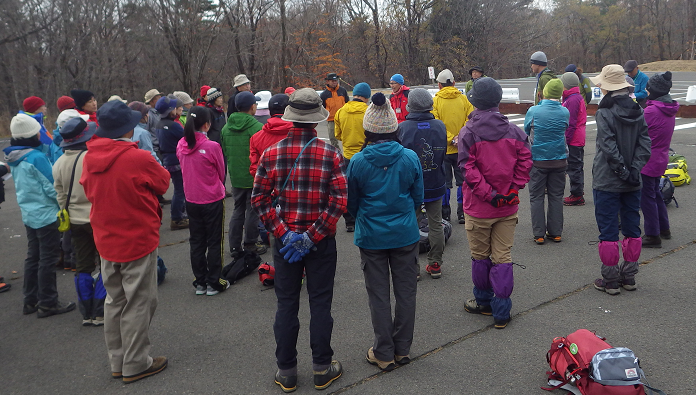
296 246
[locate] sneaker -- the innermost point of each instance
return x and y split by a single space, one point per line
461 218
180 224
350 228
556 239
210 291
59 308
116 375
434 270
201 289
652 241
86 321
158 365
665 234
501 324
98 321
258 248
612 288
629 284
418 276
539 240
323 380
4 287
383 365
286 383
471 306
30 309
574 201
402 359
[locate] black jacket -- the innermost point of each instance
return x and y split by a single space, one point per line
217 122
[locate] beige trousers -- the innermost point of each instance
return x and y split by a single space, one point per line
491 237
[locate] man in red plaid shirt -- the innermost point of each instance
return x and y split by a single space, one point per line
300 192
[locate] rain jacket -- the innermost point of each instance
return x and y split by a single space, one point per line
62 172
453 108
272 132
153 118
641 81
123 182
203 170
575 133
385 186
217 123
54 149
92 116
33 178
333 100
585 89
494 157
235 144
349 127
546 124
142 137
543 78
470 84
45 137
660 116
169 132
398 102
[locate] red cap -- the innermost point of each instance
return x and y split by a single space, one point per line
289 90
204 90
65 103
33 103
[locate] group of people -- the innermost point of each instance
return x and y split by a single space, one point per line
387 160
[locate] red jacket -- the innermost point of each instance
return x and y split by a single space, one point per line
92 116
272 132
399 101
122 183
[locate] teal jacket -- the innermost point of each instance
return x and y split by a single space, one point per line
546 124
385 186
33 178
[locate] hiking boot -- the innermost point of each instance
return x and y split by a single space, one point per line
86 321
286 383
402 359
471 306
574 201
446 212
180 224
158 365
383 365
539 240
59 308
501 324
556 239
461 218
116 375
665 234
30 309
652 242
201 289
98 321
629 284
258 248
323 380
612 288
434 270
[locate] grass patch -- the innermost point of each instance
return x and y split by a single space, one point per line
671 65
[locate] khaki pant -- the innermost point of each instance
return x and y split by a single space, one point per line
332 135
436 233
131 301
491 237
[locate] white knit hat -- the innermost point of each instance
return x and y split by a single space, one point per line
379 116
23 126
183 96
67 115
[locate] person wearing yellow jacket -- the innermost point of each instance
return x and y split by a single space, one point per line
349 129
453 109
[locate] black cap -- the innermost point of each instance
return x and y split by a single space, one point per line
332 76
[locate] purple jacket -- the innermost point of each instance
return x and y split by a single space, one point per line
575 103
494 157
660 117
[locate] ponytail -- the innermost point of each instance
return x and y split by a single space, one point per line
196 119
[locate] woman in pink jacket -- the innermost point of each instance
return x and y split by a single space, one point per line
203 171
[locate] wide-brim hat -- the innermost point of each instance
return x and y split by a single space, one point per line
77 131
116 119
611 78
240 80
305 106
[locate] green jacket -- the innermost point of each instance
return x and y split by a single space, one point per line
544 77
470 84
586 89
236 134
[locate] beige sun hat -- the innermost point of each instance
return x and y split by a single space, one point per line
116 97
240 80
305 106
612 78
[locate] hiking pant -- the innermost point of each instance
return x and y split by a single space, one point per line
320 269
436 232
347 217
392 336
491 237
43 254
452 169
576 172
178 199
244 221
655 218
131 302
553 182
90 293
206 228
608 207
331 125
68 251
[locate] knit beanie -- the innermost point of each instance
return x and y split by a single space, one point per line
212 94
398 78
81 97
139 106
485 93
24 126
379 116
571 68
362 89
539 58
65 103
32 104
183 96
419 100
660 84
204 91
553 89
570 80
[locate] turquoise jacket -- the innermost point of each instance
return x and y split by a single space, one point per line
546 124
33 178
385 186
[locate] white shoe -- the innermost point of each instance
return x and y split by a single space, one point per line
212 291
200 289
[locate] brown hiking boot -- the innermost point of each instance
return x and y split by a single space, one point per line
178 225
158 365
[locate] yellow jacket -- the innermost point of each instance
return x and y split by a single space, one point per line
349 127
453 109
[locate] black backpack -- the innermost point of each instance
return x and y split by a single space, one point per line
667 189
244 264
424 244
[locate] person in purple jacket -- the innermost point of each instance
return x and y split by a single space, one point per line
495 159
574 101
660 114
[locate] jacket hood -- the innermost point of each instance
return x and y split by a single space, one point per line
14 154
626 110
669 109
383 154
355 107
489 125
448 92
571 91
420 116
200 139
239 121
103 152
275 125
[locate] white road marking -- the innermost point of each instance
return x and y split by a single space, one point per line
685 126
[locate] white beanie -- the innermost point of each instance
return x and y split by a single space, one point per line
23 126
67 115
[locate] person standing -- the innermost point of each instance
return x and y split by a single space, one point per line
584 83
169 132
333 98
639 79
272 132
399 96
475 72
543 74
427 137
575 138
187 103
140 134
241 84
385 188
122 183
303 221
218 117
85 104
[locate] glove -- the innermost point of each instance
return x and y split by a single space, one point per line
298 246
512 197
287 237
623 173
498 200
634 178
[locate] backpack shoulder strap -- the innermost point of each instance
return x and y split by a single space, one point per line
72 179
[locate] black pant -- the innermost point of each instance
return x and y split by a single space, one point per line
206 230
40 266
84 247
320 268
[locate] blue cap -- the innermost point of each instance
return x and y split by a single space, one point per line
397 78
244 100
165 105
571 68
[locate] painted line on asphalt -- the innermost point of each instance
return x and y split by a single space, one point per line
685 126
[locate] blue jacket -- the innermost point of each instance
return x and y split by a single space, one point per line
45 139
33 178
169 132
142 137
54 150
385 186
548 122
641 81
427 137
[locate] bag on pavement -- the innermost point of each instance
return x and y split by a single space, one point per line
424 243
243 265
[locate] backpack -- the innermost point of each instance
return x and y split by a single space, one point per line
266 274
667 190
161 270
677 169
424 243
245 263
584 362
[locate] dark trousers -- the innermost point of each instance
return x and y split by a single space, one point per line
178 199
655 218
206 228
452 169
84 247
347 217
244 221
576 172
320 269
40 266
609 206
553 182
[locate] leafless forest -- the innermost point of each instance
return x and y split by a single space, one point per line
126 47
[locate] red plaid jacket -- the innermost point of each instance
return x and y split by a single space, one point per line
316 194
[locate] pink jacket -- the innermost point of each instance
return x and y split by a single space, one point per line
203 170
575 103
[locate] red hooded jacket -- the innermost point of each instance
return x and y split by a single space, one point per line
272 132
398 101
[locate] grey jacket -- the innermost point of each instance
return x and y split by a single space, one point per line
623 145
152 120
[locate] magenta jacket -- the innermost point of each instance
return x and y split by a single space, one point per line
660 117
203 170
494 157
575 103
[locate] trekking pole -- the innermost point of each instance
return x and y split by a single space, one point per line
342 80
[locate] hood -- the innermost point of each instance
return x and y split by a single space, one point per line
627 111
669 109
200 139
57 138
448 92
275 125
489 125
355 107
14 154
39 117
103 152
419 116
383 154
239 121
571 91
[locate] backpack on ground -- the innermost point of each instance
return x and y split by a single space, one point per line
677 169
243 265
266 274
667 190
424 244
585 363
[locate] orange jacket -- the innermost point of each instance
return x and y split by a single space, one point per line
333 99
